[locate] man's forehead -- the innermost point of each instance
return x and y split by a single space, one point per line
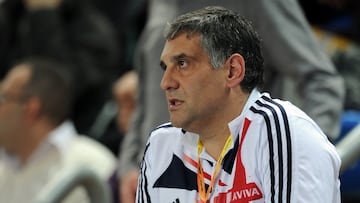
181 45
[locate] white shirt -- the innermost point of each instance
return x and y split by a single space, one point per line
62 150
278 154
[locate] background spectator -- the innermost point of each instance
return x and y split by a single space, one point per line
125 92
113 122
37 140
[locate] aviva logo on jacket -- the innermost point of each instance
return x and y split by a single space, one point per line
240 195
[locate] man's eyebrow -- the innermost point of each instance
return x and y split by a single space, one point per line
181 56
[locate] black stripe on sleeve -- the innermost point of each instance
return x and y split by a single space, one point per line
279 147
288 144
140 185
271 150
143 182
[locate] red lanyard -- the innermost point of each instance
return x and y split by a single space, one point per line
203 193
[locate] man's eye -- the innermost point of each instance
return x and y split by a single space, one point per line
182 64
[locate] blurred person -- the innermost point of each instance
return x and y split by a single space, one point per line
37 139
72 31
296 69
125 93
113 122
227 141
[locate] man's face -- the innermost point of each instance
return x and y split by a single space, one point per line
195 91
12 108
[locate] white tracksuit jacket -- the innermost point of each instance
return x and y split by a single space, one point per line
278 155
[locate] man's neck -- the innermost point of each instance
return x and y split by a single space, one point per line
214 136
34 138
214 143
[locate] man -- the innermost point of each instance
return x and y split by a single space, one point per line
297 69
37 141
227 142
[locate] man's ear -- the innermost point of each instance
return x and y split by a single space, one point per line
33 109
236 71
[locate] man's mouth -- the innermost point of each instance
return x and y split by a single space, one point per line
174 104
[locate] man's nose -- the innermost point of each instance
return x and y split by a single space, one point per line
168 80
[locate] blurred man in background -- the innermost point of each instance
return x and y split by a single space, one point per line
37 139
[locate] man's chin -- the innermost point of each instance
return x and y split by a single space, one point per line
176 123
